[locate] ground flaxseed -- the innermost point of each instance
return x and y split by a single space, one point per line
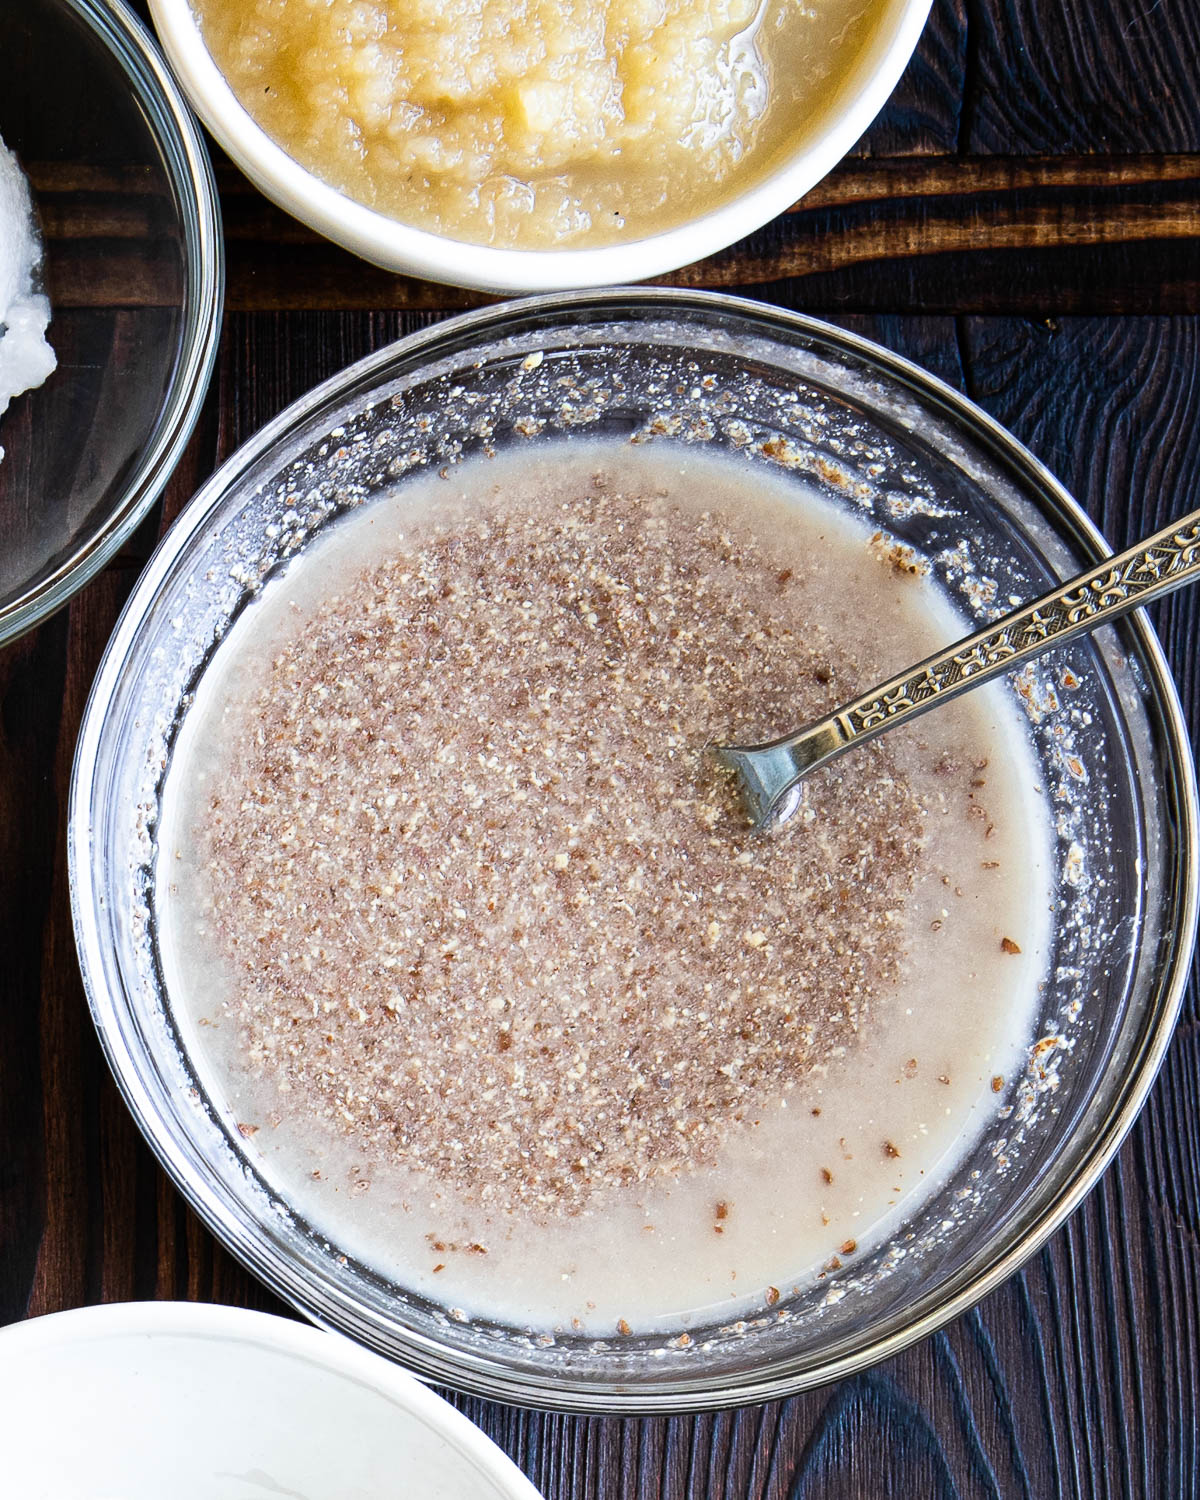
492 909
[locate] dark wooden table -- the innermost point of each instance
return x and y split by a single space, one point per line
1023 219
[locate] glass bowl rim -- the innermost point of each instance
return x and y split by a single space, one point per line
961 1291
170 121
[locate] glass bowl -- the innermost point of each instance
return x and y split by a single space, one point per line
134 270
673 368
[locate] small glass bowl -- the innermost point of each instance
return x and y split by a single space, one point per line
134 268
674 368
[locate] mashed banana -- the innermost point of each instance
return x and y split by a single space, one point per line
536 123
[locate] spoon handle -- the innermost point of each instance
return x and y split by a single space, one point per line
1153 567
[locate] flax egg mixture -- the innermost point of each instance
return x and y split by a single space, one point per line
466 934
537 124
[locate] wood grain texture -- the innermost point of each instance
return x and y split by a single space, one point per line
997 234
1078 1378
1082 75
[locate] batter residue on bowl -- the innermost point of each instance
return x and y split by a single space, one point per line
467 933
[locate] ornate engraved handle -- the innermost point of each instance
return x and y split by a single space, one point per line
768 773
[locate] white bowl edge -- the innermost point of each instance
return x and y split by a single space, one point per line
314 1352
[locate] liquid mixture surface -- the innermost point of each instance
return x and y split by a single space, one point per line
467 932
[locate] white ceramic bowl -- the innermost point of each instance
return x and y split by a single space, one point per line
399 247
150 1400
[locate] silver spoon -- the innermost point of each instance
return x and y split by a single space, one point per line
768 775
